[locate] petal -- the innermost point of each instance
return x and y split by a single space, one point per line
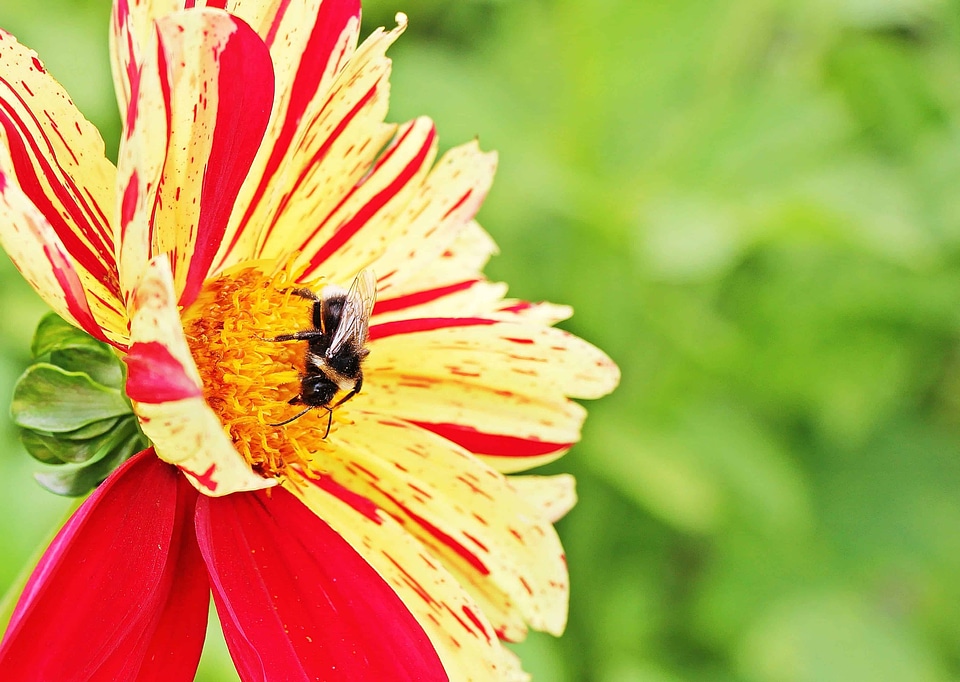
496 388
336 145
485 533
121 593
296 600
56 158
553 496
327 125
462 636
215 91
40 256
166 390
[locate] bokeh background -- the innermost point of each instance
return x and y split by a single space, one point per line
753 206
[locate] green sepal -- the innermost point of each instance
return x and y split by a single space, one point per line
74 415
54 333
64 449
49 398
74 350
79 479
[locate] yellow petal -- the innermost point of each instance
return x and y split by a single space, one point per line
324 124
172 412
463 637
216 91
56 158
489 536
553 496
36 250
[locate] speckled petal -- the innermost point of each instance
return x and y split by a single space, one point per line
169 403
36 250
56 158
496 388
467 513
461 634
215 93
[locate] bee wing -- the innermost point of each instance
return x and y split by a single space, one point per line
355 320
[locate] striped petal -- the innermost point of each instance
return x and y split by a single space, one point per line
37 252
462 635
215 91
493 540
121 593
496 388
553 496
327 122
333 145
56 159
166 390
297 601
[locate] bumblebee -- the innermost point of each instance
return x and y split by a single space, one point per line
335 345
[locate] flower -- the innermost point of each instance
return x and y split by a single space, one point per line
255 166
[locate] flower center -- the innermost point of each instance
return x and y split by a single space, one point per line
249 379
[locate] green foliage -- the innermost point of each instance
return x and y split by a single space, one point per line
752 206
72 410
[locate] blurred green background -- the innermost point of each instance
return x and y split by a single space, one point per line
753 206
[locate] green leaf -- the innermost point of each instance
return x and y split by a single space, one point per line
54 333
99 362
72 451
48 398
79 479
39 447
89 431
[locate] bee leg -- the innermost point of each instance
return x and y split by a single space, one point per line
307 335
293 418
303 292
329 422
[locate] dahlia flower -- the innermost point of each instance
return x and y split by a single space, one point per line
372 538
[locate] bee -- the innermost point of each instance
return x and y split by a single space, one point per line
335 345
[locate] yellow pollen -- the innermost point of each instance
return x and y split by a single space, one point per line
248 379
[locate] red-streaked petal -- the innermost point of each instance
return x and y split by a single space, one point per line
121 593
462 260
464 639
495 541
553 496
310 47
444 205
297 602
497 388
37 252
169 404
216 89
56 158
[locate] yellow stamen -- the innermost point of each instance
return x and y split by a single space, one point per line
248 378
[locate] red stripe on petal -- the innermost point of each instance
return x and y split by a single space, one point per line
155 376
472 559
390 305
244 100
493 444
121 593
370 209
331 21
357 502
424 324
309 167
98 259
297 602
73 291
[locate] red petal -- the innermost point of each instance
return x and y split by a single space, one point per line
245 92
121 593
155 376
297 602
